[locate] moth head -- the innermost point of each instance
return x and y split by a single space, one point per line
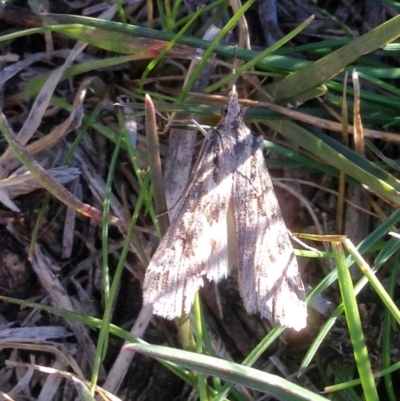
225 109
233 107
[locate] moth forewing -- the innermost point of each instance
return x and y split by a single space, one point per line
269 280
222 181
233 256
195 244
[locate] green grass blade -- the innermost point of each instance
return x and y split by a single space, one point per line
96 324
233 372
354 324
364 246
344 159
387 331
210 49
329 66
394 246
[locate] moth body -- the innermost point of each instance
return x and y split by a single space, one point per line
229 216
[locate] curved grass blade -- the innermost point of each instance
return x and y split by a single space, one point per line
230 371
334 63
363 247
96 324
354 324
344 159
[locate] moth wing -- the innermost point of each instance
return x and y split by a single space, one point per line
268 275
195 244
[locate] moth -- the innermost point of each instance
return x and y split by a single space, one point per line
229 218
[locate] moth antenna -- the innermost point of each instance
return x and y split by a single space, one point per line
235 61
